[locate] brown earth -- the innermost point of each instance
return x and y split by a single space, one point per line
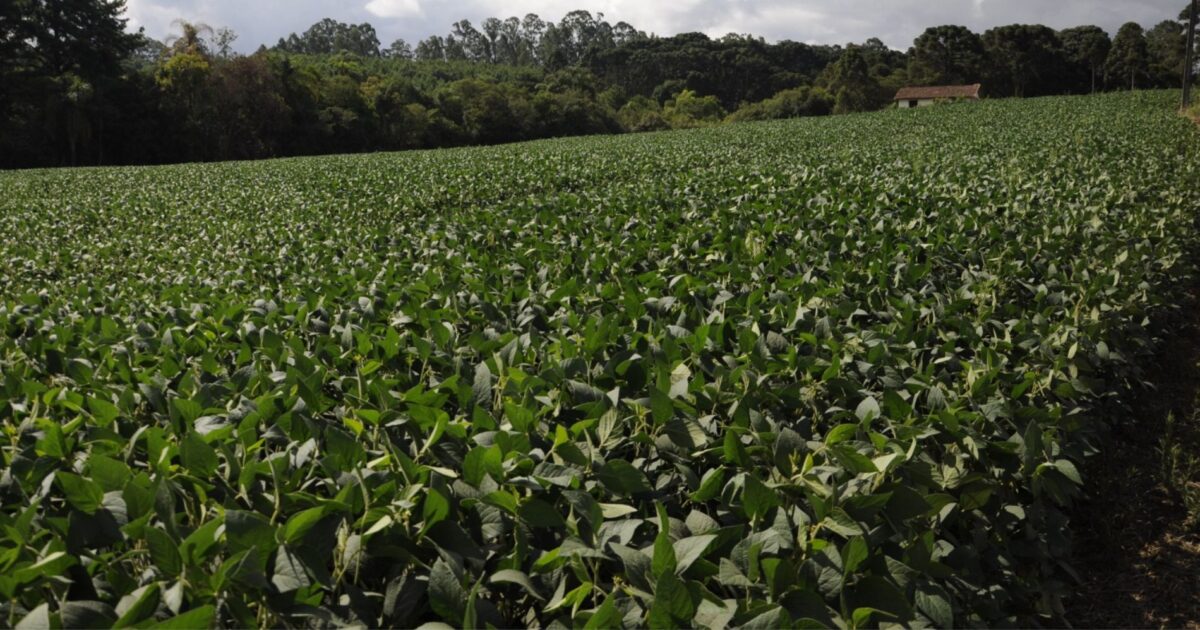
1138 548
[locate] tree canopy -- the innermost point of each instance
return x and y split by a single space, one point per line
77 88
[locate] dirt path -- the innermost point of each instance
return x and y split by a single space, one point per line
1138 548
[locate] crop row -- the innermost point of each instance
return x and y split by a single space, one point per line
832 372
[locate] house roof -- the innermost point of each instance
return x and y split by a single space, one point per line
938 91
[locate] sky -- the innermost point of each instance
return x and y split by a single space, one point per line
896 22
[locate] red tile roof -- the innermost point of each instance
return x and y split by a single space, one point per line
938 91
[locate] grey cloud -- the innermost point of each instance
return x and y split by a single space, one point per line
896 22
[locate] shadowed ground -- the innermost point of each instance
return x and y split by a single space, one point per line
1138 541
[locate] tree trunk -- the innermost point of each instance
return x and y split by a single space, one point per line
1189 55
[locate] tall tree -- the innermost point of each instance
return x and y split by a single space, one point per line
17 55
1165 45
191 38
945 55
62 59
532 30
432 48
1024 60
331 36
250 112
1128 61
399 49
1087 47
474 43
222 42
849 80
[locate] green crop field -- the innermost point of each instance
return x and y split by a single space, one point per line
836 372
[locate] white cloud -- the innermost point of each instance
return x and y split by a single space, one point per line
395 8
147 14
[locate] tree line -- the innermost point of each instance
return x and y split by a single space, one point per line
77 88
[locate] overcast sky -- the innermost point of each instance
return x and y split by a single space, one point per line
896 22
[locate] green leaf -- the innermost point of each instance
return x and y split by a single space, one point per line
638 567
842 523
482 385
774 617
83 494
689 550
199 458
715 616
840 434
194 619
664 554
481 461
289 573
300 523
934 602
620 477
615 511
87 614
197 545
673 606
189 410
436 508
446 593
662 409
248 530
111 474
877 593
1069 470
164 552
606 616
868 409
710 484
510 576
538 513
138 605
853 554
757 498
522 419
852 460
36 619
730 575
103 411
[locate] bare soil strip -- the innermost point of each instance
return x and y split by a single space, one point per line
1138 539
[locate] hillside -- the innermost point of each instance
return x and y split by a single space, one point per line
837 371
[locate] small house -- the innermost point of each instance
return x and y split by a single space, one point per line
924 96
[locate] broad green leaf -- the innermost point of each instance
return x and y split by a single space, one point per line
620 477
164 552
83 494
299 524
201 617
446 594
138 605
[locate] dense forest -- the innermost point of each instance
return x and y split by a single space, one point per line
76 88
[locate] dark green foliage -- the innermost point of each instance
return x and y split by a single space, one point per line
76 89
59 62
1129 58
330 36
836 372
1166 44
734 69
946 55
787 104
849 80
1086 49
1025 60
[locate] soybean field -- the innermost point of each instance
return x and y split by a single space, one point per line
836 372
